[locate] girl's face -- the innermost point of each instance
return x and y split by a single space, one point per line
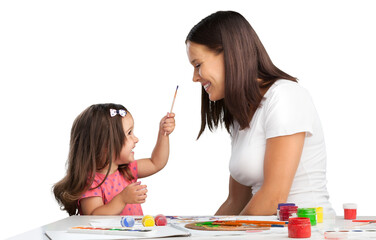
209 69
126 153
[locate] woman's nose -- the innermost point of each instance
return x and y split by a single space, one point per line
136 139
196 77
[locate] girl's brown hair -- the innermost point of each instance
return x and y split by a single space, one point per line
96 138
246 60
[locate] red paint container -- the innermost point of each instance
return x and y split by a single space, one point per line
160 220
349 210
299 228
283 204
285 212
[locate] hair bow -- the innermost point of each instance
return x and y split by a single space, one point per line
114 112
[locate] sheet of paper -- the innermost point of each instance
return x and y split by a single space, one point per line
105 222
64 235
158 231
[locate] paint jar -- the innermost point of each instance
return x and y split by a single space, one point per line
308 213
148 221
283 204
287 211
299 227
160 220
127 221
350 210
320 214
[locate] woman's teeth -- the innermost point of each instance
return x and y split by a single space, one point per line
206 86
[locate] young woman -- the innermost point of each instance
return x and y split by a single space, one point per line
278 148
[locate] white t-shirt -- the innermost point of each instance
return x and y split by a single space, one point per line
286 109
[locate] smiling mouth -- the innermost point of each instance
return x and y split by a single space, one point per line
206 86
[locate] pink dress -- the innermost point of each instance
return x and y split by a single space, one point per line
113 185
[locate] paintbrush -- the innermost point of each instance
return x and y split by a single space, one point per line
260 225
363 224
173 102
361 220
258 222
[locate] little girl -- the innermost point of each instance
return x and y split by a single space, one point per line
102 174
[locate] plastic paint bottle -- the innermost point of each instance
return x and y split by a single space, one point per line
160 220
148 221
283 204
320 214
299 228
308 213
349 210
287 211
127 221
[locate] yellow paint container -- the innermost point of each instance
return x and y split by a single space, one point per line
320 214
148 221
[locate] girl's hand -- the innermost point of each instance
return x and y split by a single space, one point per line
167 124
134 193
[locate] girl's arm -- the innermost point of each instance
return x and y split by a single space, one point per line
133 193
282 157
159 157
239 195
95 206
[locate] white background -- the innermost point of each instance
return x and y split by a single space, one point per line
59 57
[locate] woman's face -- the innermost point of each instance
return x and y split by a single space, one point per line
209 69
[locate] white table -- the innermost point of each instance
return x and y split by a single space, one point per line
64 224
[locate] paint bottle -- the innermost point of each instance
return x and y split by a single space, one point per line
127 221
299 227
160 220
349 210
308 213
287 211
283 204
148 221
320 214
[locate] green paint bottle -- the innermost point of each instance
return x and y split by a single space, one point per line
308 213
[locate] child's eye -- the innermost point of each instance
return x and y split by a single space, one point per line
130 132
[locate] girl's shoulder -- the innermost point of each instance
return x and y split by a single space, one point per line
102 175
133 166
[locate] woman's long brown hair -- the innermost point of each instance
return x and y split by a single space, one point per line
96 138
246 60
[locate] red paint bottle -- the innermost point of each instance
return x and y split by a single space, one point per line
285 212
349 211
160 220
299 227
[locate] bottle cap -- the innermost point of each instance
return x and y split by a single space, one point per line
350 206
306 210
285 204
127 221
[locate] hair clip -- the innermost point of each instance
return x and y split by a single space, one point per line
114 112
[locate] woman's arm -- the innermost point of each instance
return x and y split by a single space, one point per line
160 154
282 157
239 195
